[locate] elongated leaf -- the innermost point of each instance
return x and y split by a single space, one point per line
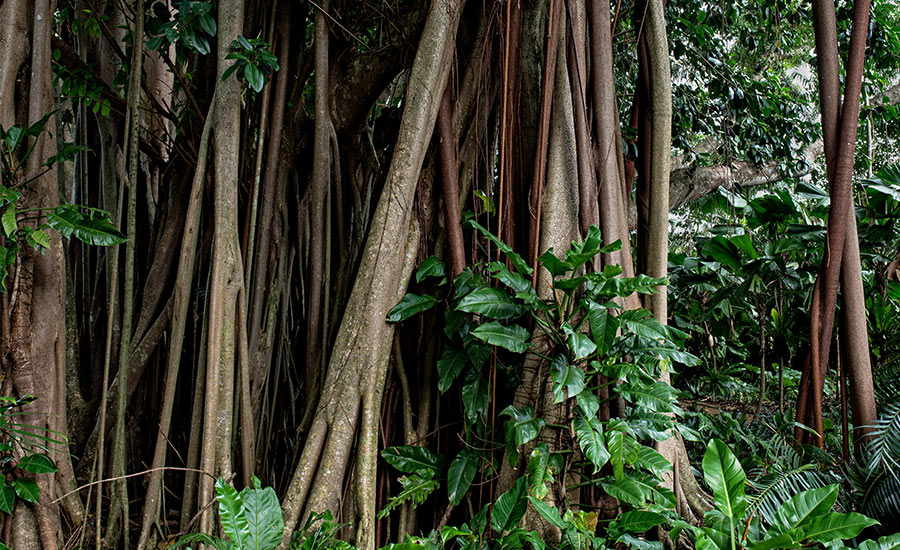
801 508
231 513
416 488
724 475
554 265
517 283
449 366
412 459
652 461
550 513
264 519
509 508
622 450
431 266
491 302
639 521
566 378
26 489
513 337
539 471
475 394
522 428
409 305
92 227
589 432
603 326
460 475
38 464
7 257
8 221
7 497
521 266
579 344
628 491
836 526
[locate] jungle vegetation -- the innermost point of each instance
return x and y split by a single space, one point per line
446 274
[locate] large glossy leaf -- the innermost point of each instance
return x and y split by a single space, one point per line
724 475
38 464
8 220
460 475
509 508
554 265
409 305
231 513
474 394
264 519
540 472
431 266
449 366
513 337
7 497
522 426
26 489
566 379
589 432
550 513
638 521
652 461
603 325
579 343
87 225
516 282
835 526
627 490
491 302
889 542
801 508
412 458
622 450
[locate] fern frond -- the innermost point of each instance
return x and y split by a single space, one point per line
775 489
883 450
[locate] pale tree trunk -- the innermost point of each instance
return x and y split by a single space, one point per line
349 409
227 271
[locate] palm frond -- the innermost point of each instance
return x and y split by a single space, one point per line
883 450
776 488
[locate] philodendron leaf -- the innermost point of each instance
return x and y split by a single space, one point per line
724 475
522 428
7 497
512 337
26 489
834 526
38 464
603 326
264 519
589 432
509 508
91 226
460 475
491 302
550 513
8 221
409 305
412 459
449 366
638 521
566 378
579 344
801 508
540 472
231 513
431 266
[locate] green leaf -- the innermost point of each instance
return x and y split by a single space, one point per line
416 488
520 429
723 251
8 221
512 337
517 283
589 403
491 302
412 459
627 490
7 497
264 519
836 526
460 475
93 227
449 366
554 265
516 260
208 24
231 514
509 508
474 394
622 450
550 513
638 521
724 475
589 432
244 42
801 508
38 464
409 305
27 489
565 377
8 195
431 266
539 471
649 459
579 344
603 325
254 76
7 257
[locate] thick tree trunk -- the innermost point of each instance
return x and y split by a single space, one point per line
355 378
